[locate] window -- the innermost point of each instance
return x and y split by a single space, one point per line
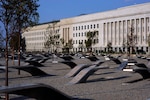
142 20
84 26
97 25
79 27
82 33
88 26
147 19
94 25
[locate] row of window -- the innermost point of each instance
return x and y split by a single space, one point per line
35 38
42 33
82 42
84 27
35 33
82 34
35 45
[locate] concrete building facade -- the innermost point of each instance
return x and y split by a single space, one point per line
111 26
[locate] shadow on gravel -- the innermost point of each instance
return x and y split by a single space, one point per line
107 79
26 98
104 73
28 77
134 81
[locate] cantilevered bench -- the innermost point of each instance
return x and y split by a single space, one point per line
79 67
82 76
116 60
43 60
71 64
37 91
34 71
2 68
67 58
34 63
92 58
123 65
141 69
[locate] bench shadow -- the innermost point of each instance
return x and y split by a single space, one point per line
26 98
106 79
31 76
104 73
134 81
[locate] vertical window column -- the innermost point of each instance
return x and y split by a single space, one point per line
120 33
104 33
137 30
108 34
68 34
111 32
115 33
142 30
146 31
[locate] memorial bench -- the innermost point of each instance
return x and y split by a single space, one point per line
141 69
92 58
34 63
83 75
71 64
34 71
2 68
37 91
68 58
80 67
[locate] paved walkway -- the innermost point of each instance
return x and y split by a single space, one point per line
104 84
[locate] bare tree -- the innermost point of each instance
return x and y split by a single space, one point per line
52 40
1 39
16 15
131 41
81 46
148 41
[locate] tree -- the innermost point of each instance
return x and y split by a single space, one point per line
23 44
1 39
91 39
81 46
13 42
148 41
124 44
53 37
131 40
62 41
109 46
68 46
15 16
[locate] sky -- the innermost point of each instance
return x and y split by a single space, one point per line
50 10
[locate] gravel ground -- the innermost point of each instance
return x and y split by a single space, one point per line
104 84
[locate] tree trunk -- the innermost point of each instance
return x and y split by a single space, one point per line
13 56
6 58
19 52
